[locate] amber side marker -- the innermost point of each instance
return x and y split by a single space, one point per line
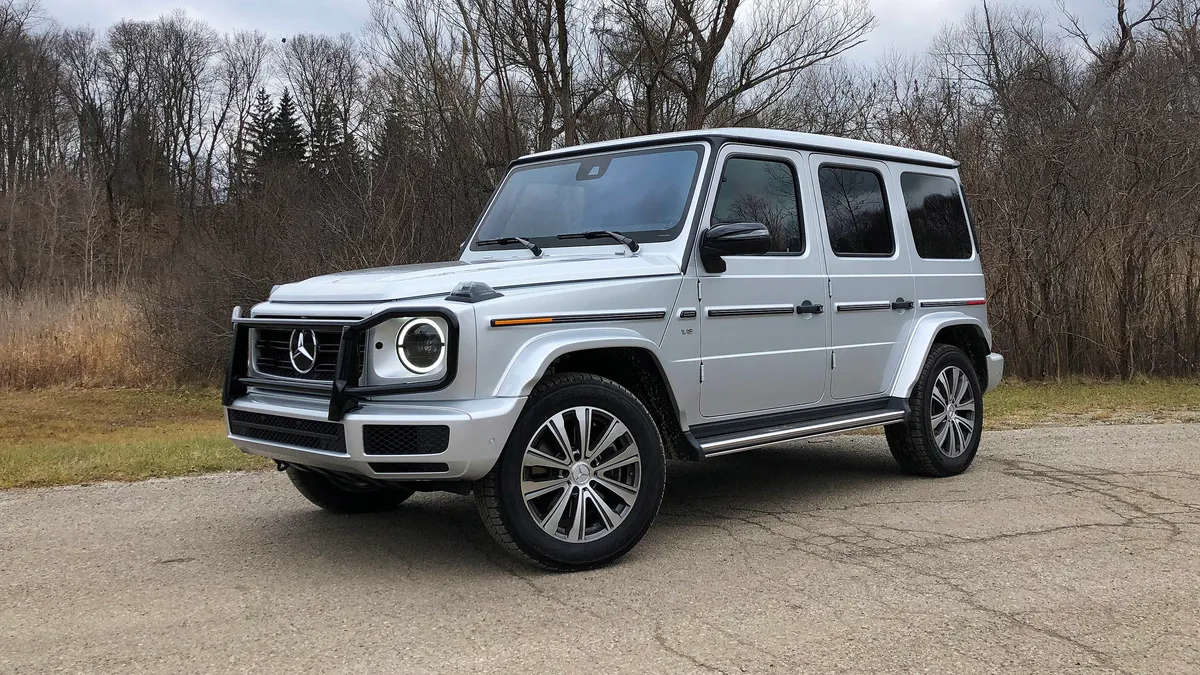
522 322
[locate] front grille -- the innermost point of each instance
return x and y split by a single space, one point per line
396 439
327 436
272 354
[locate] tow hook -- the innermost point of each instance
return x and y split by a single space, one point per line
281 466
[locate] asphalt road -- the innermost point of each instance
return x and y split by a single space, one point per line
1061 550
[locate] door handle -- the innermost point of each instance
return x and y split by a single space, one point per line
902 304
807 307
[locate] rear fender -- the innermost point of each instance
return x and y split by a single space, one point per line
921 341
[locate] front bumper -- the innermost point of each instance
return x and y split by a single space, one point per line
995 370
478 430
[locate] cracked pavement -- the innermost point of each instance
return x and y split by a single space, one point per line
1061 550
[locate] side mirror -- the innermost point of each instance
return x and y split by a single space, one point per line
732 239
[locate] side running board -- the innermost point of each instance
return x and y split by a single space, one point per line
892 411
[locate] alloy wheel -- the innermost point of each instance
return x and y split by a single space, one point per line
581 474
952 415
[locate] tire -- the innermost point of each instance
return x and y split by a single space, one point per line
346 495
530 499
934 440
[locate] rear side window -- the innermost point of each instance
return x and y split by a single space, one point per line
936 215
856 212
761 191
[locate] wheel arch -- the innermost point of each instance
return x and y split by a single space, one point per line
621 355
966 332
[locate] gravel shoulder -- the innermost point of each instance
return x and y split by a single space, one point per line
1062 550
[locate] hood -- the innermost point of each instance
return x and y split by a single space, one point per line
415 281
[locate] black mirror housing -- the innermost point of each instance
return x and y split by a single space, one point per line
725 239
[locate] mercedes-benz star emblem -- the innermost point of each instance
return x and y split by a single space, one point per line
302 349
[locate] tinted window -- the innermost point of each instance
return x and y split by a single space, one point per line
641 194
935 213
856 212
761 191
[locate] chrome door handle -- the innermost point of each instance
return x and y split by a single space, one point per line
807 307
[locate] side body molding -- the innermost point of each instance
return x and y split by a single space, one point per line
536 355
921 341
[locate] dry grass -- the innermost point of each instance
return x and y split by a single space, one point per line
84 340
64 436
1019 405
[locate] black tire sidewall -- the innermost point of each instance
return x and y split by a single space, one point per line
951 465
527 535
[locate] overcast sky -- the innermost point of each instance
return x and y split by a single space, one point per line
908 24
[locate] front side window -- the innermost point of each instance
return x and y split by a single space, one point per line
641 194
936 215
856 212
761 191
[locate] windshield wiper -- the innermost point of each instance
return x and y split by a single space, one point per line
604 234
503 241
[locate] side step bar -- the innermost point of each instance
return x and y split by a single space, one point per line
731 443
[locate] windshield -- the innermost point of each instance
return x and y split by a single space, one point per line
642 194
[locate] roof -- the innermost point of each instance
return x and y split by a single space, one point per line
791 139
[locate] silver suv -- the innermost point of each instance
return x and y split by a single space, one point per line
679 296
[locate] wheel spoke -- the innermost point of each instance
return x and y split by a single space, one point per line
941 436
966 426
969 406
579 525
532 489
964 388
940 389
611 518
960 444
535 457
624 458
583 419
558 429
550 523
937 419
615 431
626 493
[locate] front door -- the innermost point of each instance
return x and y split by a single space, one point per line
870 274
759 352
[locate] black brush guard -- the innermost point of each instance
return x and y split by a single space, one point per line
345 393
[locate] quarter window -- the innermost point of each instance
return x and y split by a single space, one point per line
936 216
762 191
856 212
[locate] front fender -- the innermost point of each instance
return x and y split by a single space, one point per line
535 356
921 341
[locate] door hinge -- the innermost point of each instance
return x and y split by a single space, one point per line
832 360
701 372
830 281
699 291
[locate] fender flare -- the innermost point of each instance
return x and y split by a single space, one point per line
921 341
530 362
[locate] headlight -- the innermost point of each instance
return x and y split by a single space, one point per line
421 346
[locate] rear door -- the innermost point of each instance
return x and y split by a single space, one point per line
758 352
870 274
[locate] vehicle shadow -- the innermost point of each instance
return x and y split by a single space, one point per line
441 534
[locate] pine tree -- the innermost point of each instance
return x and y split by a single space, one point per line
326 143
256 141
287 140
258 129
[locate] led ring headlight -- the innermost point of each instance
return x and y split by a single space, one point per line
421 346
